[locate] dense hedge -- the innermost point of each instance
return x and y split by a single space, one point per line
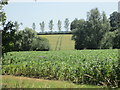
54 33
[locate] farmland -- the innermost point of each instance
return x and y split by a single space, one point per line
59 45
60 41
96 67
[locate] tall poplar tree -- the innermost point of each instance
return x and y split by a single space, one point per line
51 25
66 24
59 25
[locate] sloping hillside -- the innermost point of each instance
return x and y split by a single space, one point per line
60 42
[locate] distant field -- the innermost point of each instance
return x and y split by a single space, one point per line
60 42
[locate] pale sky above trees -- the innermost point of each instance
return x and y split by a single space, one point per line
29 12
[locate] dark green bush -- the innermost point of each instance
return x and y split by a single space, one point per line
27 40
40 44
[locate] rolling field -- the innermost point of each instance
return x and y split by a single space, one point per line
96 67
60 41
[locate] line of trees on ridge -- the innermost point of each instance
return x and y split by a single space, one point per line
51 25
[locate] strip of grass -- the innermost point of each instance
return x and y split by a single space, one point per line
9 81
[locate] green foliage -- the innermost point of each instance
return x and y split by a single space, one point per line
114 20
8 37
97 67
8 30
51 25
2 14
79 39
27 40
97 31
59 25
107 41
17 25
33 26
42 26
76 24
115 24
116 39
24 39
40 44
89 34
21 40
66 24
2 18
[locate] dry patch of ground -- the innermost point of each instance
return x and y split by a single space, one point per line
23 78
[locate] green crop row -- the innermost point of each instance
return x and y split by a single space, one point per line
98 67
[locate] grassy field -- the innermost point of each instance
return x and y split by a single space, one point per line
10 81
96 67
60 41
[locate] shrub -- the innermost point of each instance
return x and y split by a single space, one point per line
27 40
40 44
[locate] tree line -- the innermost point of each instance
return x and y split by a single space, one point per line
97 31
51 25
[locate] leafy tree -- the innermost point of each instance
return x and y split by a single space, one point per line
27 40
107 41
97 32
51 25
75 24
8 30
66 24
8 37
17 25
105 33
89 34
99 25
116 40
79 34
2 13
114 21
33 26
59 25
115 24
40 44
2 20
42 26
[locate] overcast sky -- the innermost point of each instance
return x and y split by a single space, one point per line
29 11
